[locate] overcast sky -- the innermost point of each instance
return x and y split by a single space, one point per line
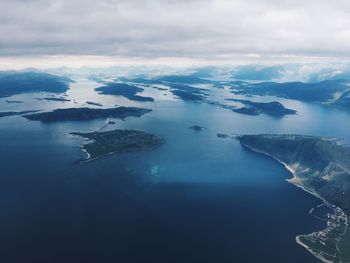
174 30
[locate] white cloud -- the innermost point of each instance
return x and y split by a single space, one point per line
193 29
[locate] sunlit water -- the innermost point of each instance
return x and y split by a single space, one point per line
197 198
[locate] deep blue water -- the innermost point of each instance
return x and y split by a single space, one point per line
211 200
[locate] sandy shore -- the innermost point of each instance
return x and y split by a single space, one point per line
295 180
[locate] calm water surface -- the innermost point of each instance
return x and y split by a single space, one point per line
197 198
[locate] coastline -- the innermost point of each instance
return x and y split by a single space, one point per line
295 180
89 159
88 156
299 242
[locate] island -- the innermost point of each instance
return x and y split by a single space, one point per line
13 113
14 101
178 86
182 79
320 166
14 82
117 141
158 88
55 99
94 103
83 114
196 128
165 79
188 93
125 90
222 135
274 108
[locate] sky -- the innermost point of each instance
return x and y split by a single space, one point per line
108 32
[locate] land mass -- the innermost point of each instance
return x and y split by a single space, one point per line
321 166
117 141
55 99
13 82
274 108
182 79
167 79
83 114
14 101
94 103
178 85
331 92
125 90
196 128
188 93
13 113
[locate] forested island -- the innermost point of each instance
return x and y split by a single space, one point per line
117 141
273 108
122 89
83 114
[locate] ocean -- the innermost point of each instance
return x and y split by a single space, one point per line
197 198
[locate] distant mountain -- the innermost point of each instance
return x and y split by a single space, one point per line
254 72
182 79
204 72
12 82
333 92
343 76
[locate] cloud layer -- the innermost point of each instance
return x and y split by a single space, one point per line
196 29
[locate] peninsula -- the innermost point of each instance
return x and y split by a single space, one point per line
13 113
83 114
320 166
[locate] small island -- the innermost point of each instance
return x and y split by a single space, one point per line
196 128
320 166
14 113
54 99
94 103
83 114
222 135
273 108
188 93
117 141
125 90
14 101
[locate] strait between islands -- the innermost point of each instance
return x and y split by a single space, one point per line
104 143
